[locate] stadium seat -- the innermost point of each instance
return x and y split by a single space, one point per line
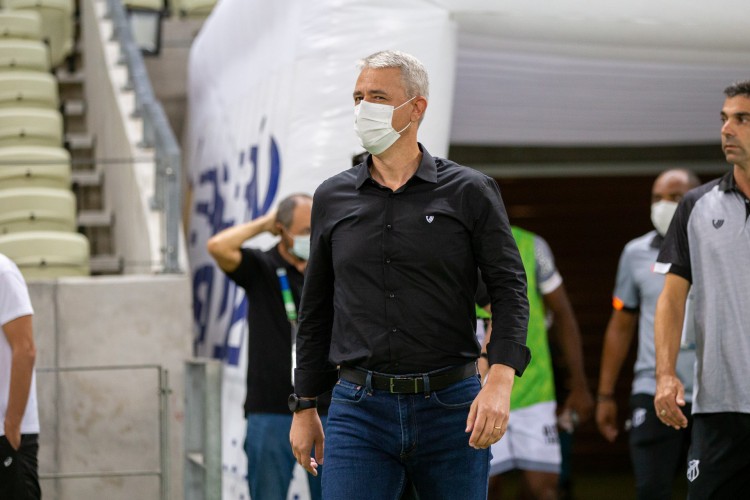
28 88
20 24
47 254
30 126
34 166
23 54
144 4
57 24
37 209
195 8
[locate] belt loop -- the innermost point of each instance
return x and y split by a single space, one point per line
426 383
368 383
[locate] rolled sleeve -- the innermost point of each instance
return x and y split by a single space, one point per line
510 353
311 383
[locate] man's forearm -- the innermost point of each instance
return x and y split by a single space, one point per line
21 371
667 338
617 341
235 236
670 316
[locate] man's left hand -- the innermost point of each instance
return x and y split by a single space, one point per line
490 411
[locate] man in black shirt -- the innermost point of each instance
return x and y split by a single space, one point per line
271 318
389 298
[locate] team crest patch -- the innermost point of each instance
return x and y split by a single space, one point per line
8 461
693 471
430 218
717 223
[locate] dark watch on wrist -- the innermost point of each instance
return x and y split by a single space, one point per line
296 403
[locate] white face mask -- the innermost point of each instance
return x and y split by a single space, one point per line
661 215
301 247
373 124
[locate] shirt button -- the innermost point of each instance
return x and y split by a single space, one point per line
387 261
394 330
391 295
388 227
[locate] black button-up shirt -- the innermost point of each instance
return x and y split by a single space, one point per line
392 275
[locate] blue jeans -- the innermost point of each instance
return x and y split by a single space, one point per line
270 463
376 440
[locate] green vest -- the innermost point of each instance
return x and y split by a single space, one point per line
537 385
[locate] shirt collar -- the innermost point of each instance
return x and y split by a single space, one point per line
727 182
657 240
427 170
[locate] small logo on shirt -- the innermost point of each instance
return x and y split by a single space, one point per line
693 471
431 218
717 223
639 416
7 462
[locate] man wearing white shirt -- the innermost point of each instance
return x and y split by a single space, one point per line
18 407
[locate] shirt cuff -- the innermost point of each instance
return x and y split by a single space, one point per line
309 383
510 353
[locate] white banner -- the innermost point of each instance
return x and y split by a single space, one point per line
271 113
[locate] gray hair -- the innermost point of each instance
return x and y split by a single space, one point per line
285 211
738 88
413 73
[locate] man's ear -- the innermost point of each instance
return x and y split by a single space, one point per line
420 105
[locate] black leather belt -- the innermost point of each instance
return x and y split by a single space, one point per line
410 384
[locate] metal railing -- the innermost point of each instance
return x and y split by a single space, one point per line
203 429
162 472
156 133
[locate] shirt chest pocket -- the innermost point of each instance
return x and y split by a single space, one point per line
437 231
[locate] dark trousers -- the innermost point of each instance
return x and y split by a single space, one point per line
718 460
656 450
19 477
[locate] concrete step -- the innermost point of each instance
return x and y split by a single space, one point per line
81 147
67 77
95 218
86 178
79 140
74 115
74 107
69 83
106 264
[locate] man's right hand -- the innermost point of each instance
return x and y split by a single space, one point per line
606 419
307 433
669 398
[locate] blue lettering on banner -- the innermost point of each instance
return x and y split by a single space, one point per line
257 200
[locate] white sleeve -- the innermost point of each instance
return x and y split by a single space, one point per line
547 277
14 296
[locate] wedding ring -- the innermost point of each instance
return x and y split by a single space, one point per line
663 412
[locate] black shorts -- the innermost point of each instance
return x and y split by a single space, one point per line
19 477
656 450
719 457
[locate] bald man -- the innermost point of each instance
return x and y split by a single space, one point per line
655 449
